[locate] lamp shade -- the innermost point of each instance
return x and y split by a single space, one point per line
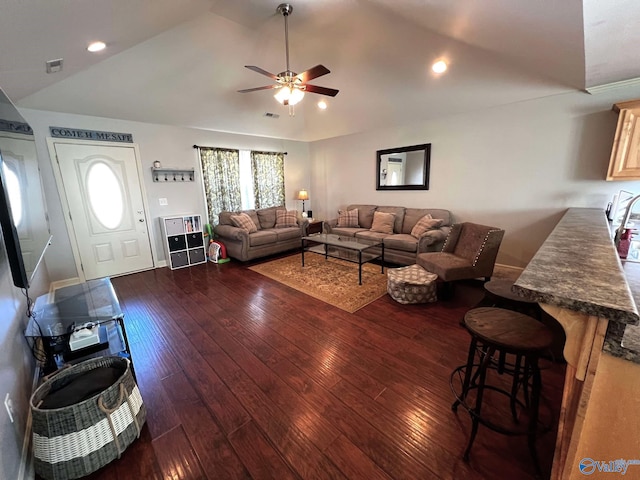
303 195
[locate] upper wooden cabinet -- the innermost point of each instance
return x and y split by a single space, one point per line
625 155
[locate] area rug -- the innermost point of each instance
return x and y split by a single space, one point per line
332 281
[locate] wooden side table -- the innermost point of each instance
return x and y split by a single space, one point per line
315 227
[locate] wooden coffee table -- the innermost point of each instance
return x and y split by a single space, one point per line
350 249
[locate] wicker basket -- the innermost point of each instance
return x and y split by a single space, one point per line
74 441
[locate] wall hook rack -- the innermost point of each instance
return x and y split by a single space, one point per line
165 174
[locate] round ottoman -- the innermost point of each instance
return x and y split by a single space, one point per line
412 284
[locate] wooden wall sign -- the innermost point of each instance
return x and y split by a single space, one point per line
80 134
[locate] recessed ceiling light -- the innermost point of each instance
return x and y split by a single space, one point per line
96 47
322 105
439 67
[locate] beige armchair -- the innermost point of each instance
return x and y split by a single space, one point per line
469 252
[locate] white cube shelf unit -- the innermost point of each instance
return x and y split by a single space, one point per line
183 240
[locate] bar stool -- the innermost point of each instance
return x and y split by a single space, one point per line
498 293
496 333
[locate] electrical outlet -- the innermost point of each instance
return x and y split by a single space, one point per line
8 404
163 202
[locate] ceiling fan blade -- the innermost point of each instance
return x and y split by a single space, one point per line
262 71
321 90
313 72
267 87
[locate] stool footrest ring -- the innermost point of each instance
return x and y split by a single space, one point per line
460 401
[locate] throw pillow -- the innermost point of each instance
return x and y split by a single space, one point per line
286 218
383 222
267 217
348 218
425 224
243 221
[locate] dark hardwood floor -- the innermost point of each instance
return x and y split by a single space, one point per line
246 378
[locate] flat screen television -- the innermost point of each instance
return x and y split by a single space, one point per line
23 215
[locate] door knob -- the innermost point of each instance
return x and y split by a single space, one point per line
141 220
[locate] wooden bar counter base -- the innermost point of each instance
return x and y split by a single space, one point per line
577 277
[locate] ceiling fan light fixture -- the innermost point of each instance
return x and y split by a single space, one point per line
289 95
291 86
322 105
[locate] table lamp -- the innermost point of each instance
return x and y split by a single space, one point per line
303 195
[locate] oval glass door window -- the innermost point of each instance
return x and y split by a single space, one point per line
13 191
105 195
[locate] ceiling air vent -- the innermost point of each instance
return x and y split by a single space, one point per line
54 66
271 115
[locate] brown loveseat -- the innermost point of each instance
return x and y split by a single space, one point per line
400 247
268 240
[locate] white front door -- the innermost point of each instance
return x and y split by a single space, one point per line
395 173
102 189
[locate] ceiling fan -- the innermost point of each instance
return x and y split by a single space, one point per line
291 86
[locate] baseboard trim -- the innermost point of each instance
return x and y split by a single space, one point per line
62 283
510 267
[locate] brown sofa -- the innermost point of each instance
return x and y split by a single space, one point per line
268 240
400 247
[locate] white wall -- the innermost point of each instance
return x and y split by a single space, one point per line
518 167
173 147
16 364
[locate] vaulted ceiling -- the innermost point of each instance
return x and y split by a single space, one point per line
181 63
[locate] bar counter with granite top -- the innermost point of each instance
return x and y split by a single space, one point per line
577 277
578 268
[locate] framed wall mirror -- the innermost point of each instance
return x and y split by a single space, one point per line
23 215
403 168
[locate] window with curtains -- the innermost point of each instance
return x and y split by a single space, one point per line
267 169
241 180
